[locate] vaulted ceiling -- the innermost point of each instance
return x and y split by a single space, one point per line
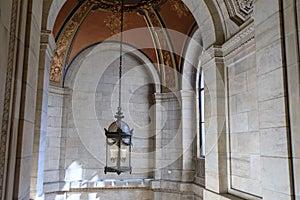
82 23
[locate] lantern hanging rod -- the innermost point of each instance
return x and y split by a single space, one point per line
121 57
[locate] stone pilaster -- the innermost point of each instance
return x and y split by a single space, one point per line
37 175
214 114
274 128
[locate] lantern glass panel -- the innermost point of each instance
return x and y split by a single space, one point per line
125 155
112 154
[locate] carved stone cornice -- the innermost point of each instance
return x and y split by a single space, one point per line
239 40
239 10
234 44
211 53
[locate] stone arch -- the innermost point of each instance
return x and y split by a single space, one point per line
51 9
191 64
135 52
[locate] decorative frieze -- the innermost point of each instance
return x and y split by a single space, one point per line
239 40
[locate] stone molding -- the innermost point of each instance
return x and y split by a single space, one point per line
213 51
8 94
234 44
239 40
47 41
154 185
164 97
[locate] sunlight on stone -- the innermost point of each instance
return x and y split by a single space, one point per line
74 172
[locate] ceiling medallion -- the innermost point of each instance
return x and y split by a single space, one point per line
129 5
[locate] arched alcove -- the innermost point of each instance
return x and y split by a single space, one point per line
86 106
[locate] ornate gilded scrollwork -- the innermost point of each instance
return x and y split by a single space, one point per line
115 6
65 40
112 22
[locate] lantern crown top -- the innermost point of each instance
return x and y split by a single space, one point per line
119 125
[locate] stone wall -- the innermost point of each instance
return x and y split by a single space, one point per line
243 131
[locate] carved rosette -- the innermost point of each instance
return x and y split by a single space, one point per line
64 41
239 10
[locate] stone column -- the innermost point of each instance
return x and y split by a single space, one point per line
168 141
37 176
158 135
272 101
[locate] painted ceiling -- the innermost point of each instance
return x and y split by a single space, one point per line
98 20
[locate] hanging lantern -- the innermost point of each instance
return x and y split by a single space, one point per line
118 135
118 147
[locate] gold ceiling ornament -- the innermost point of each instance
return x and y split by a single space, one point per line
179 7
112 22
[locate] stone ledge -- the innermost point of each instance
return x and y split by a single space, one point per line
209 195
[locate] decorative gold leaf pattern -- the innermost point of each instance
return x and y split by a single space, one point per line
112 22
179 7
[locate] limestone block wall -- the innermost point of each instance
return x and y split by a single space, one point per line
54 140
168 137
243 131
